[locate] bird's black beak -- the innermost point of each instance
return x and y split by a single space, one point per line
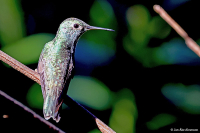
97 28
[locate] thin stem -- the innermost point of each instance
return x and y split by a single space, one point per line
189 41
102 126
31 111
36 77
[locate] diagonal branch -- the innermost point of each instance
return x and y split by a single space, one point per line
20 67
31 111
189 41
36 77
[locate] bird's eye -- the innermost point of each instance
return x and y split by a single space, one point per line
76 25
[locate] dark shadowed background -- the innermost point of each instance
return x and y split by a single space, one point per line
140 78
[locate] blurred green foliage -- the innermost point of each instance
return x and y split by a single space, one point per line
124 114
101 13
12 27
83 89
95 50
160 120
141 29
158 28
98 48
95 131
28 49
184 97
34 96
174 52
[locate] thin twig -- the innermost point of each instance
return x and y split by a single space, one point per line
36 77
31 111
102 126
189 41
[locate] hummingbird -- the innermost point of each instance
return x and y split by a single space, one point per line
56 64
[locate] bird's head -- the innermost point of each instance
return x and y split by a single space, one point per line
75 27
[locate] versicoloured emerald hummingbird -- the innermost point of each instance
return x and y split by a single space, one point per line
56 64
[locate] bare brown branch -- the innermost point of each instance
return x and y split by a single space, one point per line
36 77
189 41
103 127
19 67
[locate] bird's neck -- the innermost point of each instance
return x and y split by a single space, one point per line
66 43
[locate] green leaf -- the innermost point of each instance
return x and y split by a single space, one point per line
124 114
160 120
90 92
28 49
184 97
12 27
34 96
158 28
95 131
102 15
138 17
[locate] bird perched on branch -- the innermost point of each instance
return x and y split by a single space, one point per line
56 64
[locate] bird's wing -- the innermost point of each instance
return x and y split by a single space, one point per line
67 68
55 70
40 70
70 73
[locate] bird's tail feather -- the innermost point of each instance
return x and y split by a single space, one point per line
50 109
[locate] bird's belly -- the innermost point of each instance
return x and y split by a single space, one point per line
55 74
